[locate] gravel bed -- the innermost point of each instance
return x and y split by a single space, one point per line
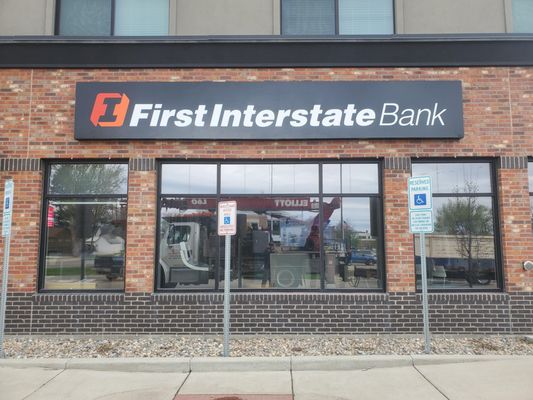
261 345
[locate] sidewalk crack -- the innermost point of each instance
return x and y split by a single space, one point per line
182 383
427 379
44 384
292 377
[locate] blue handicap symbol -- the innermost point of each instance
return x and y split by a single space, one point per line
7 203
420 199
227 220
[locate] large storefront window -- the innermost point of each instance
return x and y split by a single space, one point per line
291 235
84 227
461 253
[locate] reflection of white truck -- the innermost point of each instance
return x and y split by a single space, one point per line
108 248
181 252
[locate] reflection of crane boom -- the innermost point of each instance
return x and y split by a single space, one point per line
327 211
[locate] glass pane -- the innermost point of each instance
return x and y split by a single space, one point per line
141 17
308 17
364 17
189 178
88 179
246 179
530 173
85 244
85 17
360 178
277 245
188 243
351 237
268 178
531 203
350 178
331 178
460 253
295 178
466 178
522 16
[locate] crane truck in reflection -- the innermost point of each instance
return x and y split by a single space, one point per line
181 251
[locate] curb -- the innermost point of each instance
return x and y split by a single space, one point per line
250 364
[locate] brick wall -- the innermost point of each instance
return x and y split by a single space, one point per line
141 235
37 122
283 313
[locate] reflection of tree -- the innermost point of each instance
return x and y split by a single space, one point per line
467 220
344 233
84 220
87 178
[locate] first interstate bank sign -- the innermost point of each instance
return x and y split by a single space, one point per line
269 110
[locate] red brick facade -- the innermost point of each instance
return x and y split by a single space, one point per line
37 122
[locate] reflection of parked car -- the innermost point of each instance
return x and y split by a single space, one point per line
481 272
363 256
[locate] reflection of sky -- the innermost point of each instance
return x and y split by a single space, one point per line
452 177
189 178
356 178
268 178
355 213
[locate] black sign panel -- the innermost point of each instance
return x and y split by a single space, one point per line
269 110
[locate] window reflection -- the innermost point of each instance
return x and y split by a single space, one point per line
351 240
88 179
350 178
460 253
456 178
85 244
269 178
189 178
188 243
277 245
530 175
284 239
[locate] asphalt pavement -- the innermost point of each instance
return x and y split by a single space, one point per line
285 378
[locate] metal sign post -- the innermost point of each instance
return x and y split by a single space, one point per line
227 226
6 233
421 221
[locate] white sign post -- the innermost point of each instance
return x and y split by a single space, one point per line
227 226
6 233
421 222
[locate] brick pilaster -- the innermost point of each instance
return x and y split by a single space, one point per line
398 241
141 239
24 249
515 222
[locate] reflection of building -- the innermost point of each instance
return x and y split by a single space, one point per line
449 246
318 131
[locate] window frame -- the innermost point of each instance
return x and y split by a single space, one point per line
57 22
320 195
336 23
530 187
498 259
47 197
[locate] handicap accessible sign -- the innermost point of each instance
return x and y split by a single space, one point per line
420 193
420 205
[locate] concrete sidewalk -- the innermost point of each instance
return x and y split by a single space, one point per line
299 378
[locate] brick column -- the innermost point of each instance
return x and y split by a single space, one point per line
27 200
141 236
399 248
515 222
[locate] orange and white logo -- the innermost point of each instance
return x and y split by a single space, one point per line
119 109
